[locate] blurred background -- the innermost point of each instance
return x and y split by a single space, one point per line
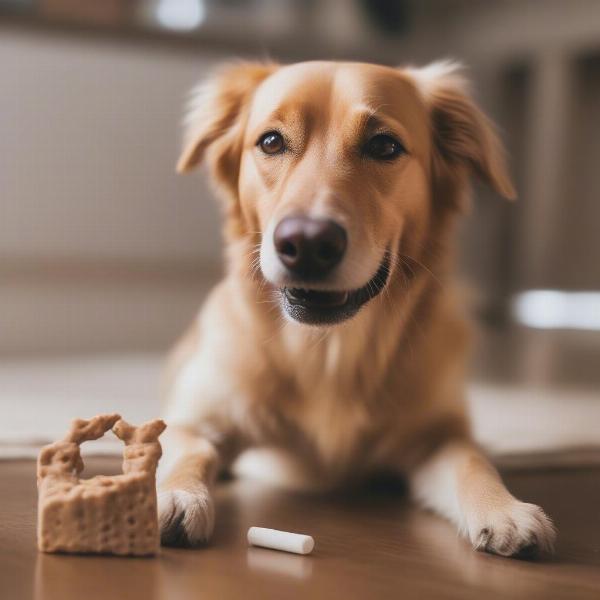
106 254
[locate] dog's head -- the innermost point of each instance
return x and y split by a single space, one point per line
338 171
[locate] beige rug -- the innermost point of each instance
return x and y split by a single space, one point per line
38 398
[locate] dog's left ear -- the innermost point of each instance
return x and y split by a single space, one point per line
462 135
215 119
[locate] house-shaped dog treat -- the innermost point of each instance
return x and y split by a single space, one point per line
104 514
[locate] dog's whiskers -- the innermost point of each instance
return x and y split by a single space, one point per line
424 267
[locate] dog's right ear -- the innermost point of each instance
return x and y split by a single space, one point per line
215 119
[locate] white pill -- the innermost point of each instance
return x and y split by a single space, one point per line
280 540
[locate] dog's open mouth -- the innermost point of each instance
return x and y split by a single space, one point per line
320 307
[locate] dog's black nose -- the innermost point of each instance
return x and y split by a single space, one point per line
309 247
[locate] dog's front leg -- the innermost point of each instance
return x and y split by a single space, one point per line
461 484
186 475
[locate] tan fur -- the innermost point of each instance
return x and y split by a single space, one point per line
383 390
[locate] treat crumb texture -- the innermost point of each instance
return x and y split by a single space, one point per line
103 514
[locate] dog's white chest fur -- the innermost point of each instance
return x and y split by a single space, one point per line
329 407
333 424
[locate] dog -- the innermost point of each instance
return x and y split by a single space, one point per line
337 335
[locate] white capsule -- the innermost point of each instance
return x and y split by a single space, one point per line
280 540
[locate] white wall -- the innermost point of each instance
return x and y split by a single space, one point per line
102 245
89 135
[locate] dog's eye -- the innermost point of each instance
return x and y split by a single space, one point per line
383 147
271 143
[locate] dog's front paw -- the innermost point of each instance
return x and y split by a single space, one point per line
517 529
185 517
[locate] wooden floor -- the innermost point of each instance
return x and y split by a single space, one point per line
369 544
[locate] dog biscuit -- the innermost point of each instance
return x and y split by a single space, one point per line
103 514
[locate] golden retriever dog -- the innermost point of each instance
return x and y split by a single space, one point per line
335 335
